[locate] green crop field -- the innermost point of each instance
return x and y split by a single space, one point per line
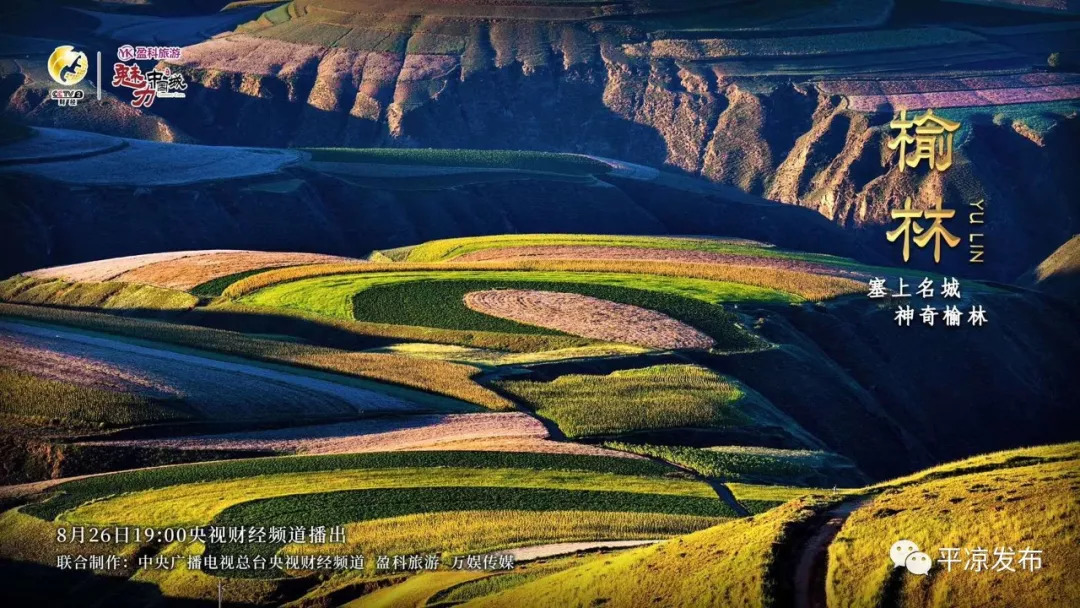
198 503
335 508
757 465
663 396
448 249
793 283
760 498
436 299
74 493
214 287
109 295
33 399
350 507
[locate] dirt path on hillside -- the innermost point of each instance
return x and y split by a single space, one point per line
524 554
813 557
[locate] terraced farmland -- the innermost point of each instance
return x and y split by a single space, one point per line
576 283
448 502
184 384
438 298
681 571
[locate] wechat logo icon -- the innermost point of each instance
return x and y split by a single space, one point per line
906 553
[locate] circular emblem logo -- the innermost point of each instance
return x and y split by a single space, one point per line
68 66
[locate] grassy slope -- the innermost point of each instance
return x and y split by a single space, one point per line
730 564
720 566
1020 507
663 396
476 531
988 462
464 354
1059 273
760 498
757 465
491 585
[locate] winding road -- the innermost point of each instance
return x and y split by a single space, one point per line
813 557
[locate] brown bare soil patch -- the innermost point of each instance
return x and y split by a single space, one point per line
503 432
588 317
187 272
105 270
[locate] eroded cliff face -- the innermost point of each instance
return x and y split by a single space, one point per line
579 91
581 87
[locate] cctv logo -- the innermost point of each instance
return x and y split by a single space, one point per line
67 66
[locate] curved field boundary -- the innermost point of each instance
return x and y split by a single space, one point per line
71 494
199 503
901 86
510 431
447 249
588 317
796 46
138 163
804 285
436 299
657 397
440 385
357 506
50 145
255 393
970 98
22 289
351 506
182 270
104 270
725 565
585 252
187 272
